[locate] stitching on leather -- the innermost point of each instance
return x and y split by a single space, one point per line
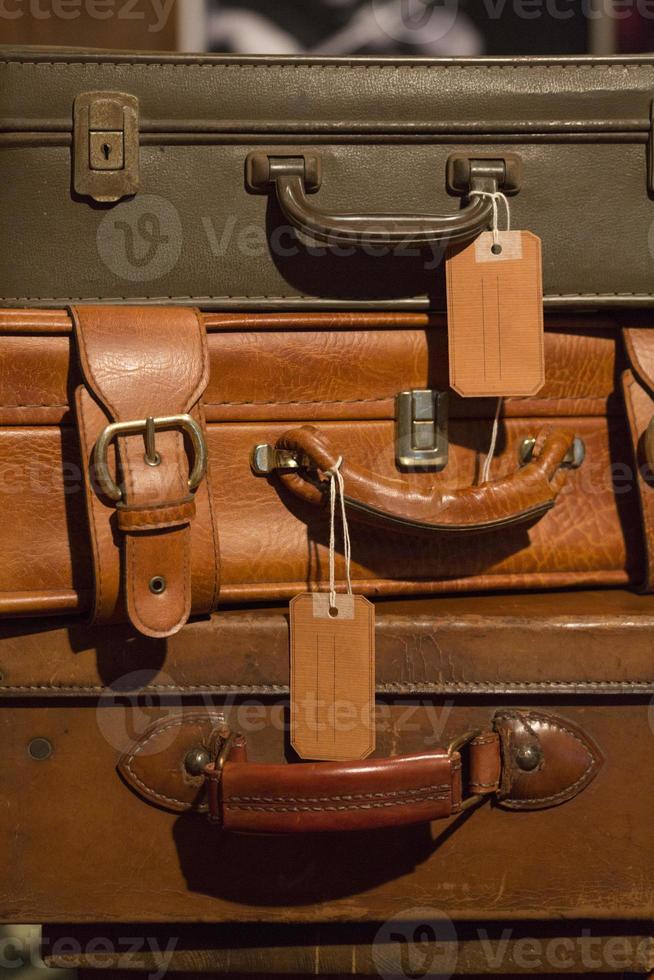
91 510
35 405
349 797
177 723
215 535
377 804
87 367
380 689
318 66
629 382
198 299
332 401
549 723
203 379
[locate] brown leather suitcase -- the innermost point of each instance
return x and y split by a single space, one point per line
274 400
105 735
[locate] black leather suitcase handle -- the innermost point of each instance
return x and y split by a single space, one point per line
294 177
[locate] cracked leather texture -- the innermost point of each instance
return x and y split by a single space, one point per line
140 362
274 546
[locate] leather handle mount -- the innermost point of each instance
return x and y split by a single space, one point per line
521 496
295 176
524 760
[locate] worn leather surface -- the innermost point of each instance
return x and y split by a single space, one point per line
638 387
431 646
331 949
252 797
138 363
339 372
174 867
383 128
523 495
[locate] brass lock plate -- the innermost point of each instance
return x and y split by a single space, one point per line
106 145
421 438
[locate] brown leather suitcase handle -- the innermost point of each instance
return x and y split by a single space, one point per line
294 177
525 760
523 495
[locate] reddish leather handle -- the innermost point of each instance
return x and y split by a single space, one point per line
526 760
525 494
338 796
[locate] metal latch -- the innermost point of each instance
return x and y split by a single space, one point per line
572 459
106 145
421 429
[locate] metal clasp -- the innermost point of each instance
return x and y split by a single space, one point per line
572 459
147 428
106 145
421 429
266 459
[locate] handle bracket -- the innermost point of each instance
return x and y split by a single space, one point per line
262 169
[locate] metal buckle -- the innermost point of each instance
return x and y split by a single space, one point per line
148 427
455 745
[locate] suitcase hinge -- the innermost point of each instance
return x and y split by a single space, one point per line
106 145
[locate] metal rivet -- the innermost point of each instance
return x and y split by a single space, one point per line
157 585
528 757
196 760
40 749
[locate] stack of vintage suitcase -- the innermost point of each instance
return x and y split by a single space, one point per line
234 452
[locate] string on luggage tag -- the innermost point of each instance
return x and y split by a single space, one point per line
337 489
485 470
496 197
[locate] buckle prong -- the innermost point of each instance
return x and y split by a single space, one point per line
152 457
148 428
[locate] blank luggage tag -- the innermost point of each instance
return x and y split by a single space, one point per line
495 312
333 662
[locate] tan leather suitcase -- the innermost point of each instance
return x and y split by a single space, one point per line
274 400
105 735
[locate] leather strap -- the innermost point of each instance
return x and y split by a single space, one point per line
155 551
528 760
638 389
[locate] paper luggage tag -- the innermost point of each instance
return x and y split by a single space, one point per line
332 676
495 315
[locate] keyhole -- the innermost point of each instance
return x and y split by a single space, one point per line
106 150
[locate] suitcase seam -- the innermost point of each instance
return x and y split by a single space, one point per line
384 688
322 66
293 296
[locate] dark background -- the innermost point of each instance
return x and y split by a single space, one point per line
325 26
